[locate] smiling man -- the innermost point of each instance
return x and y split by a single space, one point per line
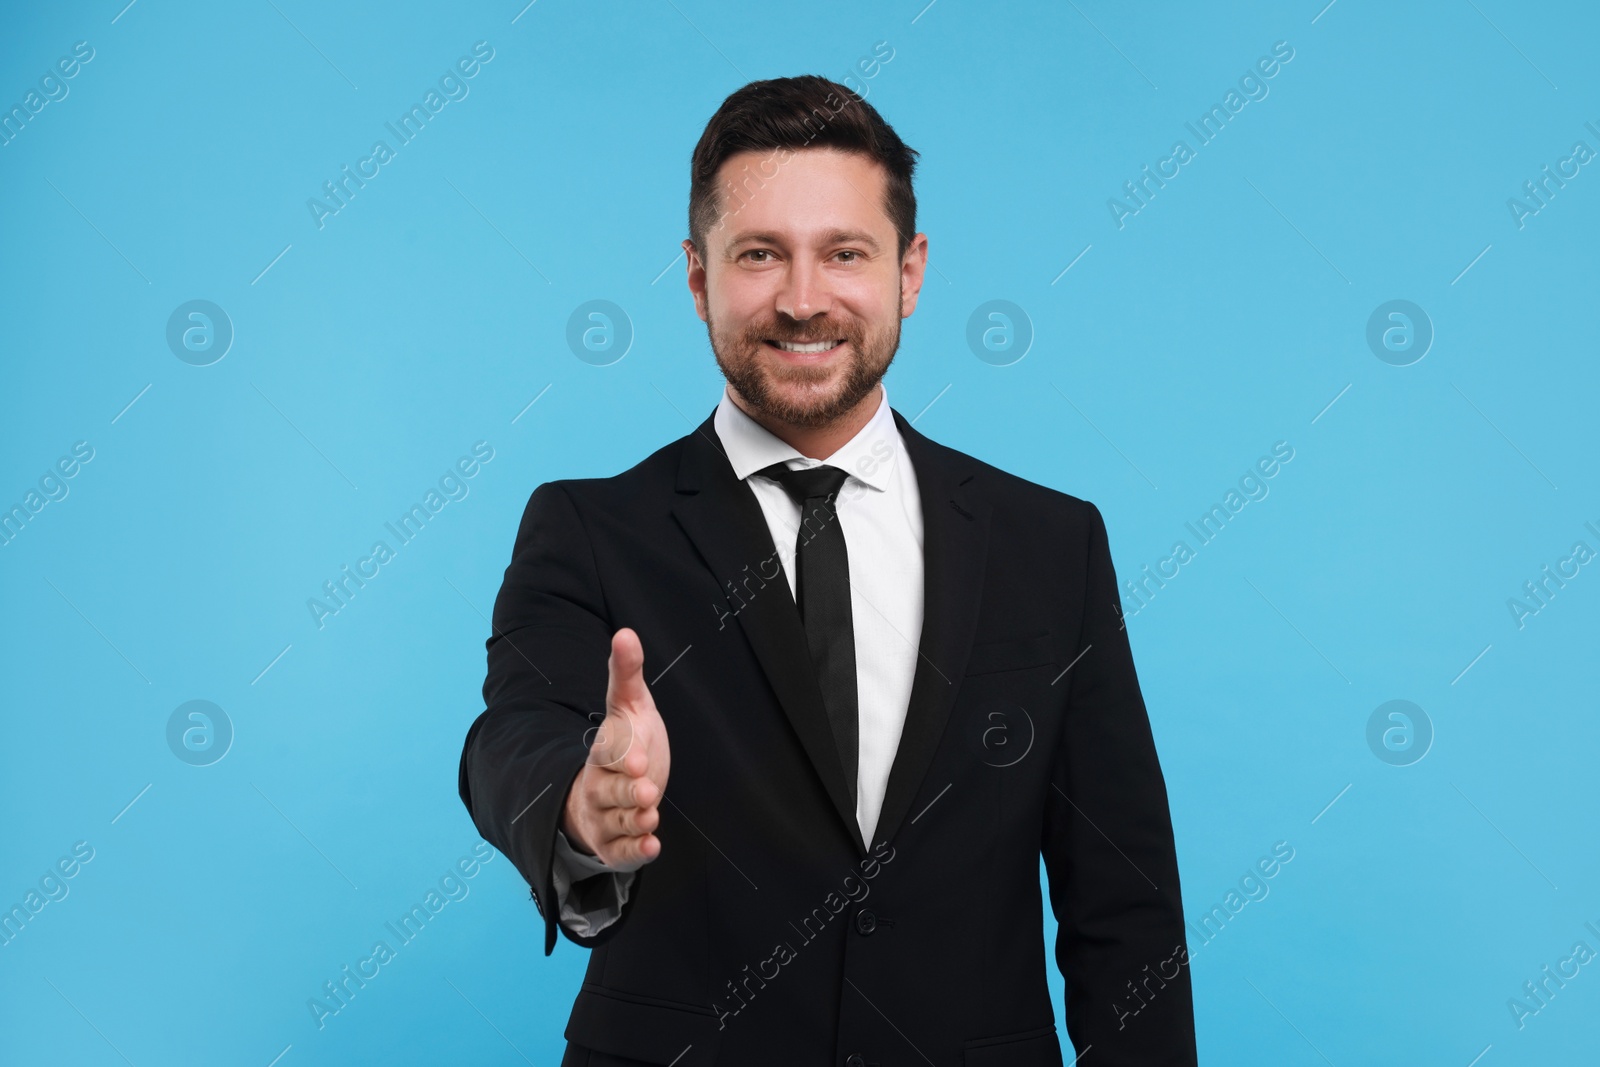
807 317
884 680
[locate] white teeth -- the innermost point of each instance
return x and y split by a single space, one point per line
820 346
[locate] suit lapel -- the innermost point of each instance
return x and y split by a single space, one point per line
722 518
955 536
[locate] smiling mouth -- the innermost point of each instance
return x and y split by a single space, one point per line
805 348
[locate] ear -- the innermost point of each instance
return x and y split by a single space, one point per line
913 267
697 278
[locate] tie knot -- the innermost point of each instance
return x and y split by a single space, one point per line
808 483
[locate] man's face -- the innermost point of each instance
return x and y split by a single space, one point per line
804 253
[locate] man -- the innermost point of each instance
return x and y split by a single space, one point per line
780 721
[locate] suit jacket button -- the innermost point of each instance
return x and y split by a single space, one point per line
855 1060
866 922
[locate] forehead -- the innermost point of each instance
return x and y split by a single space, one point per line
804 197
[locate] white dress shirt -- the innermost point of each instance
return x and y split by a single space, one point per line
880 512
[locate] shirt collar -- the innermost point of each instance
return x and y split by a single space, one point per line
751 446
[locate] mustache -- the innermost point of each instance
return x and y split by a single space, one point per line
825 333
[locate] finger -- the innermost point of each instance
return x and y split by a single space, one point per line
625 686
631 853
636 822
625 791
613 826
612 742
623 824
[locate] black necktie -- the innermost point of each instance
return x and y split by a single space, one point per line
822 579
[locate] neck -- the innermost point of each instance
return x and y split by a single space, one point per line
815 442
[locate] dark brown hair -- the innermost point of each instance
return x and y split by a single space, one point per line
794 113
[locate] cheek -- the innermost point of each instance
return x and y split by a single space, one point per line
867 302
885 296
877 314
738 304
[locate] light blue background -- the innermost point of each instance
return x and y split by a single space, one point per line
426 315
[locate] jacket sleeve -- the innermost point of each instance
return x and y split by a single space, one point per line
544 696
591 895
1109 850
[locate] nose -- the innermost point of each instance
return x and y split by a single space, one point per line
805 292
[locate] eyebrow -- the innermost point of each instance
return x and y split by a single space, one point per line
832 237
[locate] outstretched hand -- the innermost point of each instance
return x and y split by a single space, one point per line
612 807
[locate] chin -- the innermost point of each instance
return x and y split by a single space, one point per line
805 406
810 396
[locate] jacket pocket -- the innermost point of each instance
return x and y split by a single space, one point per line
1026 1048
644 1028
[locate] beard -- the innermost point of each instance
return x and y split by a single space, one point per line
802 395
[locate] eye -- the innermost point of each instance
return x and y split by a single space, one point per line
756 252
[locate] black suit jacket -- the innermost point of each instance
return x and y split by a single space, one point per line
768 931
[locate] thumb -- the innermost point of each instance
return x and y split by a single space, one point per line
625 689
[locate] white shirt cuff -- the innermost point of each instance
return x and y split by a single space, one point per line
588 903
